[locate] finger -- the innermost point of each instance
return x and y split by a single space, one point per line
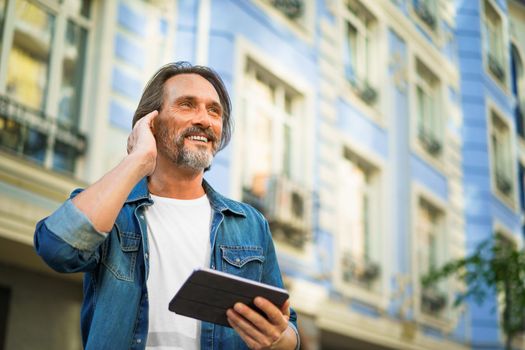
148 118
250 336
257 325
285 309
275 316
251 343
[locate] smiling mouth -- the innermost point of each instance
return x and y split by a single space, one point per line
197 138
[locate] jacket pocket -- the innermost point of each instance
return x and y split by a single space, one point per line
243 261
119 253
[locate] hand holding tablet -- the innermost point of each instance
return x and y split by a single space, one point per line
207 294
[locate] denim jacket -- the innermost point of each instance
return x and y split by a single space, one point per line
114 312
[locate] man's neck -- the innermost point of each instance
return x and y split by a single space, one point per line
169 180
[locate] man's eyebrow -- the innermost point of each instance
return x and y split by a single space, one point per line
191 98
186 98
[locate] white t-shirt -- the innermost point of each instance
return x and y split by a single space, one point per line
179 242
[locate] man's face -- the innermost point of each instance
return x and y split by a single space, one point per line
189 127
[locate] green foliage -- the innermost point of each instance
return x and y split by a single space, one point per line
495 267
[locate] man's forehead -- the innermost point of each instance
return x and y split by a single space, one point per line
190 84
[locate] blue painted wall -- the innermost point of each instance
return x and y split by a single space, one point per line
233 19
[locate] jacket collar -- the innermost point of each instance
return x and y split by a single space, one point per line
218 202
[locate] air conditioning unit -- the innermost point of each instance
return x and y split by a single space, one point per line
287 208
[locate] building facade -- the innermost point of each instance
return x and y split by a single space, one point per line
380 139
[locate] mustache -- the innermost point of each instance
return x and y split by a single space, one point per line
210 135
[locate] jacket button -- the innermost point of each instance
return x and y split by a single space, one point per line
237 260
139 341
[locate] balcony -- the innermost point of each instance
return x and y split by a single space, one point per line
31 134
361 87
426 14
433 301
292 9
358 270
430 142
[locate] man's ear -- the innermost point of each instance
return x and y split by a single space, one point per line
153 126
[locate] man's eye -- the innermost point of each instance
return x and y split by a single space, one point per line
215 111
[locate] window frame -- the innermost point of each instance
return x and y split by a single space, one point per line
492 111
377 293
434 33
246 51
304 30
63 13
498 228
431 90
279 119
441 110
519 70
363 84
487 54
444 320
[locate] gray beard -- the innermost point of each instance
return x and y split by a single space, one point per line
197 159
193 159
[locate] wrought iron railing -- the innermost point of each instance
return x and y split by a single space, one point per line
433 301
361 87
430 142
359 270
31 133
424 11
293 9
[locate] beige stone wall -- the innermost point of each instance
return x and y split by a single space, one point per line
44 312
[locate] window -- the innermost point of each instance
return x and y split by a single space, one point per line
359 25
493 42
518 90
2 17
521 183
430 245
273 156
426 10
41 90
358 216
293 10
5 298
501 156
429 123
507 276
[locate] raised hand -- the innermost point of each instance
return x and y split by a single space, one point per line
142 144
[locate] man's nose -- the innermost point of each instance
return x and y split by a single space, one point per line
202 117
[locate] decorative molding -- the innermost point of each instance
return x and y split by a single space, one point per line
31 177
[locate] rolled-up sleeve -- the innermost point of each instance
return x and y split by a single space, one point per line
67 240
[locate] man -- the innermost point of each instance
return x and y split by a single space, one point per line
139 231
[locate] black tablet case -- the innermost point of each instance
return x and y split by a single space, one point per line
207 294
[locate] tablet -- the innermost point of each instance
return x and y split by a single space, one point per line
207 294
